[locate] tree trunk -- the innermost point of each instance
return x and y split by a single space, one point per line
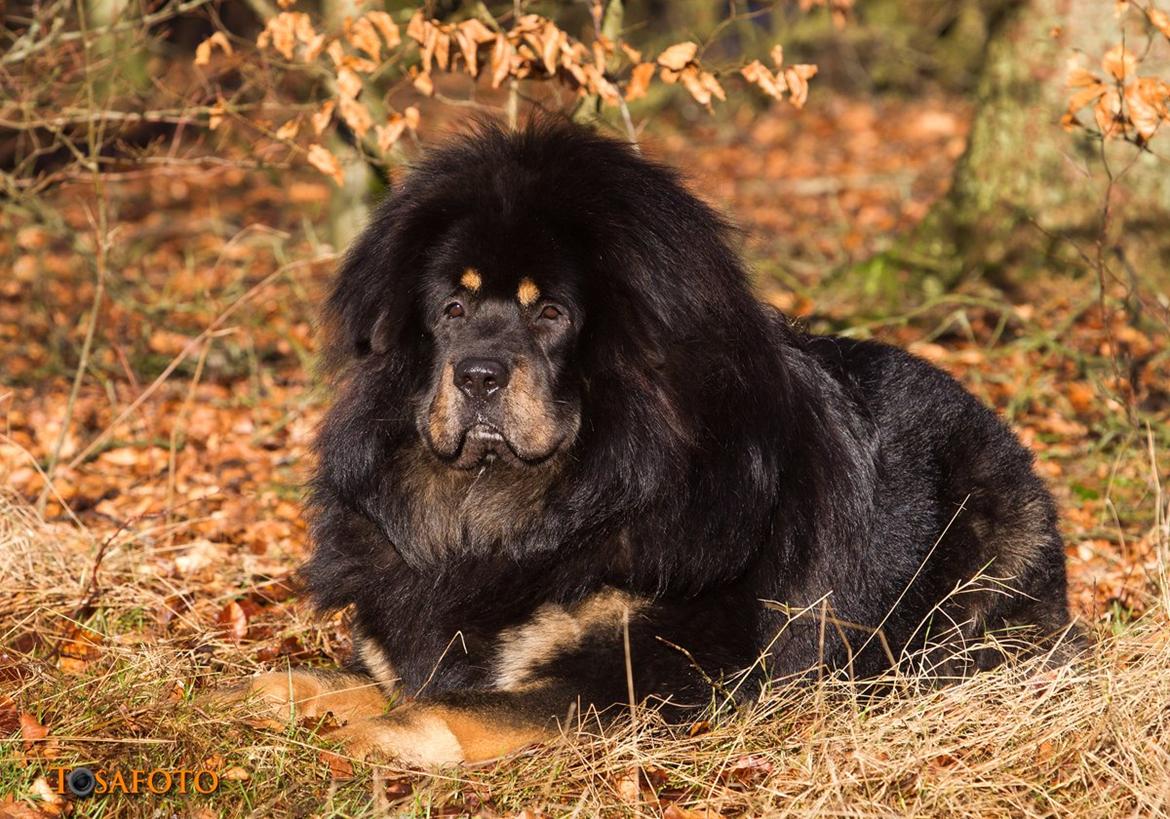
1025 185
122 67
348 207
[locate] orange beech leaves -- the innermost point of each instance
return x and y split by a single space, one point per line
357 58
1123 103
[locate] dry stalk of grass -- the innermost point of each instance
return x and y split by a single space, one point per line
1088 739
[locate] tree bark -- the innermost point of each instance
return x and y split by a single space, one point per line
349 206
1024 183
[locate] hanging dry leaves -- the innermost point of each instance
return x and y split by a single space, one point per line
386 26
355 115
639 82
362 35
604 68
1148 101
839 9
1124 105
792 79
285 30
469 35
536 46
324 161
395 126
797 78
279 34
390 133
1120 62
289 129
215 115
598 84
443 51
771 84
433 38
702 85
349 84
204 49
314 47
320 120
545 39
501 61
1160 20
423 83
678 55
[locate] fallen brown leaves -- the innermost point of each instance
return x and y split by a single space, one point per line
860 171
201 482
32 732
195 494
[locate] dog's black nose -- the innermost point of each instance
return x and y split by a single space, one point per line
481 377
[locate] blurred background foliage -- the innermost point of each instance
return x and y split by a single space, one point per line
103 86
983 182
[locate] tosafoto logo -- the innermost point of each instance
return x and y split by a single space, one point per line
85 782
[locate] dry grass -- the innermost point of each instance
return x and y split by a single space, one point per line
1086 740
109 631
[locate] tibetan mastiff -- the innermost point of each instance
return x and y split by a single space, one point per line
572 460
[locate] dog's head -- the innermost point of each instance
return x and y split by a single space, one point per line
519 288
533 312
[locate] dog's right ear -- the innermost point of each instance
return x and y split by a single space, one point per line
369 303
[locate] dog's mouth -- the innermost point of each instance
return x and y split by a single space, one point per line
484 444
519 434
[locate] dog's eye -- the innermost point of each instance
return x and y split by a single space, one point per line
551 312
453 310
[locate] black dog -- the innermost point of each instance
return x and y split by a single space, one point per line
566 434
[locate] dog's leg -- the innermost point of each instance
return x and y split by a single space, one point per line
306 694
462 727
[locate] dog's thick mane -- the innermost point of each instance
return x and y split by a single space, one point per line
680 353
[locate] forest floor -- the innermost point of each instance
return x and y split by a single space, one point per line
160 560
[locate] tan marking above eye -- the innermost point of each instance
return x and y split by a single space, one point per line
528 292
471 279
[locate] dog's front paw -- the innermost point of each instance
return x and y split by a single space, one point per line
427 734
297 695
413 737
